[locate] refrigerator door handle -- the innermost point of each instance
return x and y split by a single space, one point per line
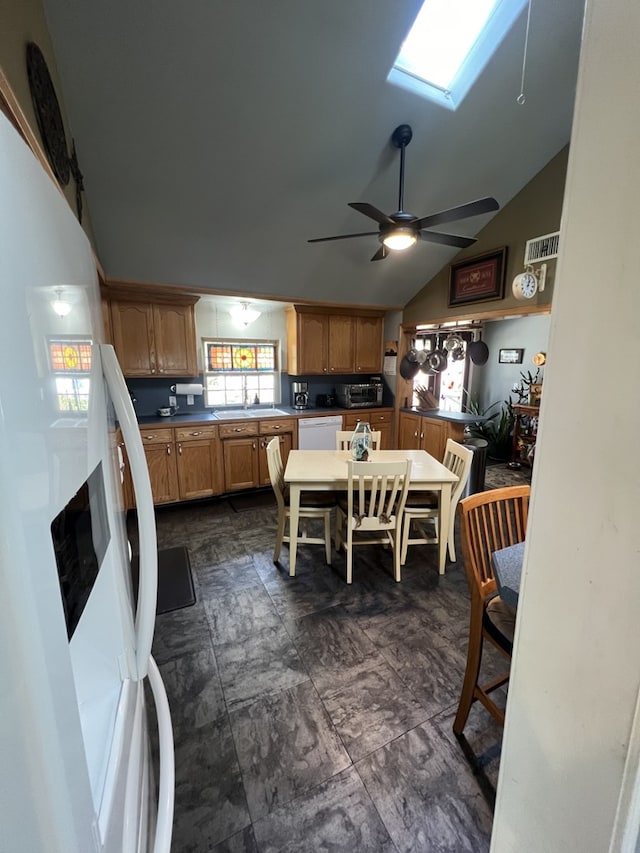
166 782
148 578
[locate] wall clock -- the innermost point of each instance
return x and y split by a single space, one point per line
525 285
50 124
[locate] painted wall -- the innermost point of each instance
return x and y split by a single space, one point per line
22 21
534 211
571 751
494 381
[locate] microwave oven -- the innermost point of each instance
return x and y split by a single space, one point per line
359 395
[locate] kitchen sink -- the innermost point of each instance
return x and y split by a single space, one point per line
233 414
239 414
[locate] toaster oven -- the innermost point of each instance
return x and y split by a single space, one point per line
359 395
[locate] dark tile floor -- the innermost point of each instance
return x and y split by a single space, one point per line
314 716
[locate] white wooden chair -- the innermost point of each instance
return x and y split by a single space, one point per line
372 508
344 436
317 505
423 506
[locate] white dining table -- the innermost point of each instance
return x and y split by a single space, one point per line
326 470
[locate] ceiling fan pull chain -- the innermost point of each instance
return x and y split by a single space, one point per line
521 97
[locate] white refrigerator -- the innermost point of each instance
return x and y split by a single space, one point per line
75 641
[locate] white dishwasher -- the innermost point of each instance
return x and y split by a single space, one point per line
318 433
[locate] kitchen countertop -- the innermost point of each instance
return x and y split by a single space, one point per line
442 415
184 418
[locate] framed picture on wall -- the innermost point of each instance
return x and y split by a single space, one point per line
510 356
478 279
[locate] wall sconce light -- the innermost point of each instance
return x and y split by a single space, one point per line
243 315
60 306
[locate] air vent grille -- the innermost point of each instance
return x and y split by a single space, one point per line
542 248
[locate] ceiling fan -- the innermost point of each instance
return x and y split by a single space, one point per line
400 230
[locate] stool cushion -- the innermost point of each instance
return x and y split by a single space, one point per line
422 500
500 622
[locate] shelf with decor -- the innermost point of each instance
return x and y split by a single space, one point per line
525 433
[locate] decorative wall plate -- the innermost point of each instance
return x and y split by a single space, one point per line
48 113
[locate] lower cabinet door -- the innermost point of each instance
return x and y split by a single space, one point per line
434 437
286 441
161 462
241 463
386 433
199 468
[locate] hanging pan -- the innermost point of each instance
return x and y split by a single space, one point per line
408 368
437 360
478 351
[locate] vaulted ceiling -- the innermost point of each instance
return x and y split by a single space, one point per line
217 136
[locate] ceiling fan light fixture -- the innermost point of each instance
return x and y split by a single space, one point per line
399 239
243 315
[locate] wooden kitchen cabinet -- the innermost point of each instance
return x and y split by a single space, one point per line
378 419
240 440
368 349
342 343
199 462
285 429
154 338
336 342
175 336
420 432
409 430
159 449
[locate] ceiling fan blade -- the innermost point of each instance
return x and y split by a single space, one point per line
447 239
343 237
372 212
473 208
381 254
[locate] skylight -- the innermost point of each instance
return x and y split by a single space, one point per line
449 44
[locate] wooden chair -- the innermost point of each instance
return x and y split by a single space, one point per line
488 521
312 505
372 508
344 436
423 506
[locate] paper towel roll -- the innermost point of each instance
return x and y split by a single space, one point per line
194 388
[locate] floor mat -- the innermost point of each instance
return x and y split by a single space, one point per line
175 583
252 500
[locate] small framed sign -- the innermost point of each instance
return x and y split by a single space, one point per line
478 279
510 356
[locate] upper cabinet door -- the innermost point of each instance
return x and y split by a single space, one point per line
369 344
341 343
133 339
312 344
175 336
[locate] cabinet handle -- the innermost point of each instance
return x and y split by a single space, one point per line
195 433
421 435
276 426
148 437
168 450
153 370
415 435
239 429
180 448
254 445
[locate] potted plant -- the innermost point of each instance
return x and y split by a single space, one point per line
495 427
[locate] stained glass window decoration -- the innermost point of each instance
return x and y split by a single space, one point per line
71 365
242 357
70 356
241 371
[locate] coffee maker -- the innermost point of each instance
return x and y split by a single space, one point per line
300 395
